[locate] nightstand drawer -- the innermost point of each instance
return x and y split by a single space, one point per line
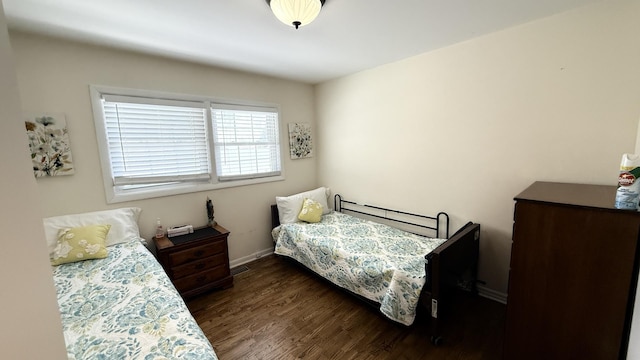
200 279
199 265
197 253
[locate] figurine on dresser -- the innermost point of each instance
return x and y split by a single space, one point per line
211 221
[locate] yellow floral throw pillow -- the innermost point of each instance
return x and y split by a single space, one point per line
80 243
311 211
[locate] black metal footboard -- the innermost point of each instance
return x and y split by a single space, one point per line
454 264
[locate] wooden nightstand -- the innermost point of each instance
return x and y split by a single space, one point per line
196 262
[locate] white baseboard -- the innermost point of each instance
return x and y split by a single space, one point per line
250 258
492 294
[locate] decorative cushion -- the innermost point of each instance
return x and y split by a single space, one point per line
311 211
123 221
80 243
289 206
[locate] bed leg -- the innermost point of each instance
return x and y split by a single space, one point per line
436 340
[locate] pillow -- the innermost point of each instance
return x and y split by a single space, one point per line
311 211
289 206
80 243
123 221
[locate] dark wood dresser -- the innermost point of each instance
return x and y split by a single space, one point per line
573 274
196 262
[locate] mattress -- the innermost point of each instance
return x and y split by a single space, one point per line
125 307
373 260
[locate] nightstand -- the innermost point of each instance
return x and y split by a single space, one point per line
196 262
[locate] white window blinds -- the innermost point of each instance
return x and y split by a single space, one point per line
246 141
152 141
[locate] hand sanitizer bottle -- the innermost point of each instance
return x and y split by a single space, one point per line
159 229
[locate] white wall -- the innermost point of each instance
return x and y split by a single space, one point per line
54 76
31 327
466 128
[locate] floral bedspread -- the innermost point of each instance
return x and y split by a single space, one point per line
373 260
125 307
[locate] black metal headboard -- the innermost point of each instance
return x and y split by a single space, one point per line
438 223
275 217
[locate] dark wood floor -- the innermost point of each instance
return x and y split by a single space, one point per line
277 310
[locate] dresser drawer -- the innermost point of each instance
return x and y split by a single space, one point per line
200 279
197 253
198 265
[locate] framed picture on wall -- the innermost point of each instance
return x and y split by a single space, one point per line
300 141
49 144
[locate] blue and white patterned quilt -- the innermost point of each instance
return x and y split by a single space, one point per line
376 261
125 307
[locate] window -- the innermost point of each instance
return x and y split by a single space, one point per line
154 144
245 141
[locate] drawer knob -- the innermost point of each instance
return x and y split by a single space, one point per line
199 253
201 278
200 266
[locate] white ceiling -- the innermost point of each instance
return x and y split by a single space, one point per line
347 37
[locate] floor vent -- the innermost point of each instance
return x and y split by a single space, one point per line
239 269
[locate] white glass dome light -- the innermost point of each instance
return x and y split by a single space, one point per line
296 13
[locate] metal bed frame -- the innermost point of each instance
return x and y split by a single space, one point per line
446 266
430 222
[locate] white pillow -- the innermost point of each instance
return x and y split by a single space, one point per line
289 206
123 221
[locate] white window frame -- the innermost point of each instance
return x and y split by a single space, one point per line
115 194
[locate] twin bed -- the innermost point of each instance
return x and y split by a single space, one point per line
394 268
122 306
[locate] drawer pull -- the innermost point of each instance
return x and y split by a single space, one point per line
199 253
201 278
200 266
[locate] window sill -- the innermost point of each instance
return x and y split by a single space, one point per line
114 196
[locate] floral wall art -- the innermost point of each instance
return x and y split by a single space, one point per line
49 145
300 142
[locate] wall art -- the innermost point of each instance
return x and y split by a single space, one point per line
49 144
300 142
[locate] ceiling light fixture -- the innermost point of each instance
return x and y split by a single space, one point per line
296 13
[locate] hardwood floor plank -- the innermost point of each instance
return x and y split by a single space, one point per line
278 310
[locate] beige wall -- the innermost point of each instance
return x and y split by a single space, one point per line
31 322
464 129
54 76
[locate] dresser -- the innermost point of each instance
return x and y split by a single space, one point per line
196 262
573 274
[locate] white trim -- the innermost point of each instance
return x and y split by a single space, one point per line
153 101
103 146
247 259
112 90
184 189
492 294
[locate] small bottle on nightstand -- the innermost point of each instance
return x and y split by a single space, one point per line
159 230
